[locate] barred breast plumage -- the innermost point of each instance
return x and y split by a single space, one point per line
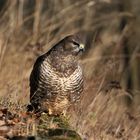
56 81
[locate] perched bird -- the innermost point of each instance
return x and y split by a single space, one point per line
56 81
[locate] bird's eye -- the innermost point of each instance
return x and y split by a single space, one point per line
75 43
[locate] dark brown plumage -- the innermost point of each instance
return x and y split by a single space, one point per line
56 81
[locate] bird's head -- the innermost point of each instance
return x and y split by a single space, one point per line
73 44
63 56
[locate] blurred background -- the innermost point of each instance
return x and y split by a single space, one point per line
111 62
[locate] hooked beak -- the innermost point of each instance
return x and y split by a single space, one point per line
82 47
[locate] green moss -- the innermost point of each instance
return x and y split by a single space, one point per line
62 122
61 132
46 121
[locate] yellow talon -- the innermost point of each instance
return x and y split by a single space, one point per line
50 111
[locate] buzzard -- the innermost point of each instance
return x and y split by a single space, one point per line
56 81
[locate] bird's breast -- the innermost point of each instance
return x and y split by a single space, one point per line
59 82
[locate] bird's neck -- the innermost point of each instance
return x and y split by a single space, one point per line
63 63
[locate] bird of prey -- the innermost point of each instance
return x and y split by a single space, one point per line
56 80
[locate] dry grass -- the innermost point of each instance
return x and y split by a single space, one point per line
112 54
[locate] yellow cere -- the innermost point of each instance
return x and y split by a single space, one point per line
82 46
